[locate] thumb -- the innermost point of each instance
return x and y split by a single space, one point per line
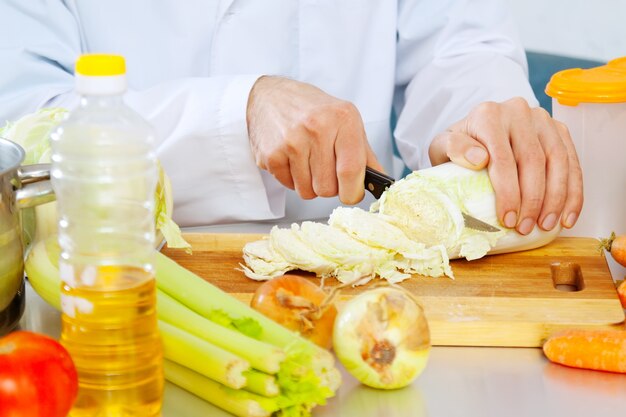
459 148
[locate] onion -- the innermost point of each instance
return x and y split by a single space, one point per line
299 305
382 338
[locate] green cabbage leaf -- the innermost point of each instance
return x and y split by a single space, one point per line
32 132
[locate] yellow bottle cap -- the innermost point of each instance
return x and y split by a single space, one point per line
94 65
604 84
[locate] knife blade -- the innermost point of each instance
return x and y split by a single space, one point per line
376 183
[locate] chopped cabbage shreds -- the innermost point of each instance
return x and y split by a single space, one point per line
263 263
432 262
288 244
474 247
415 228
329 251
411 257
354 259
334 244
422 211
373 229
428 204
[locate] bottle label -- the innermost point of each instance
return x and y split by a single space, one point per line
71 305
88 274
66 272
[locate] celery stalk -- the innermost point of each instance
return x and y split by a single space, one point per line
203 357
261 383
238 402
262 356
204 298
306 377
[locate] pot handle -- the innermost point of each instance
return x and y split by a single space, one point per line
36 186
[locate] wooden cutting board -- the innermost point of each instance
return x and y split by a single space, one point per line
499 300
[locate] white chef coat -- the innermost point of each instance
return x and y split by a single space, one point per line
191 65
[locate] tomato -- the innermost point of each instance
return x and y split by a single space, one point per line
37 376
298 304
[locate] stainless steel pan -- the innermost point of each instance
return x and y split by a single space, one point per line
20 187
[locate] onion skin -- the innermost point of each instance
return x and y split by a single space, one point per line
382 338
298 304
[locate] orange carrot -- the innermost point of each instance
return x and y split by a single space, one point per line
621 291
602 350
616 246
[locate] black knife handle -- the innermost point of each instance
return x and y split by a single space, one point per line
376 182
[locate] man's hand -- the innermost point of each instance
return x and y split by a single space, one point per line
310 141
531 160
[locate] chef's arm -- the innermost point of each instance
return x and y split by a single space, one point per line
204 148
452 55
464 96
201 122
39 43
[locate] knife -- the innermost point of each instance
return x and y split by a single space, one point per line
376 183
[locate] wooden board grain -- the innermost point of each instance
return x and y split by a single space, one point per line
499 300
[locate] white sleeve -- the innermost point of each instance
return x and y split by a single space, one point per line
39 43
452 55
204 148
200 122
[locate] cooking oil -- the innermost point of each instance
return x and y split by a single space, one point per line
113 339
104 173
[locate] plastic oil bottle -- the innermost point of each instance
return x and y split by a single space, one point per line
104 174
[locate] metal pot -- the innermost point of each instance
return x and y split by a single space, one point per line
20 187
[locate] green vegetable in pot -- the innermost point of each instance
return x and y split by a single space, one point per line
32 132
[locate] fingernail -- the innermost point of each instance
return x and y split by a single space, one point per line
570 220
510 219
549 221
475 155
526 226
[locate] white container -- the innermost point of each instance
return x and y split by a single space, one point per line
592 103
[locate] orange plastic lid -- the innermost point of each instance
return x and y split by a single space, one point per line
604 84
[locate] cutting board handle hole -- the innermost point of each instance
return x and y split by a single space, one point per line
567 276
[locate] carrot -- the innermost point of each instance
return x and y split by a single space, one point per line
602 383
616 246
602 350
621 292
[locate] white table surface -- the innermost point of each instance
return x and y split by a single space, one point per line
458 381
